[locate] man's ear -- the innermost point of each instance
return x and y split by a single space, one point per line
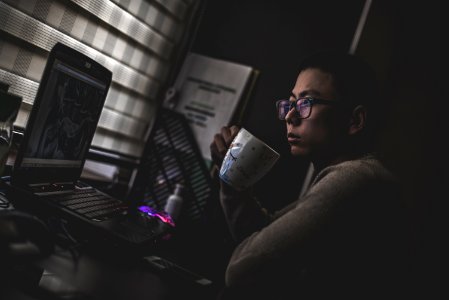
358 119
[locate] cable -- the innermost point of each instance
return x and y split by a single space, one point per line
65 240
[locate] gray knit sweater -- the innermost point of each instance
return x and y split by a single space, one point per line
343 233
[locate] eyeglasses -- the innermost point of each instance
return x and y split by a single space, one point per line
302 106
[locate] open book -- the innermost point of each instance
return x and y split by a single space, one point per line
211 93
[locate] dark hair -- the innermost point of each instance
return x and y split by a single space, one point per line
354 80
355 83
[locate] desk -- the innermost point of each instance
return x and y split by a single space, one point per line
102 271
84 270
87 273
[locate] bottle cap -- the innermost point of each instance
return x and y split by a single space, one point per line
179 188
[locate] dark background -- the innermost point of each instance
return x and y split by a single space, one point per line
404 43
273 36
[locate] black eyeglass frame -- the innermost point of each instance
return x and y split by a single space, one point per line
302 100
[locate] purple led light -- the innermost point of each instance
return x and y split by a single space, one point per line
163 216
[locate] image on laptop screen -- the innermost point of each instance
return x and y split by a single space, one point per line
67 118
63 119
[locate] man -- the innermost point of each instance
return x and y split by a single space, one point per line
344 235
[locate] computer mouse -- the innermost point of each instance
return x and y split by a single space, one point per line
23 236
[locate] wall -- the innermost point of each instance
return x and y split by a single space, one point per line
273 36
405 43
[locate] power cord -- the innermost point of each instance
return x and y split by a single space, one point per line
65 240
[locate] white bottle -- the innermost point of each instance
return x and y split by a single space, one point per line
174 202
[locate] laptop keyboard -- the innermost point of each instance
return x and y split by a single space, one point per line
90 203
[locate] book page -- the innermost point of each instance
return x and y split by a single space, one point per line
208 91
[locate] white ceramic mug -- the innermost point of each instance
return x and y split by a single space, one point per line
247 160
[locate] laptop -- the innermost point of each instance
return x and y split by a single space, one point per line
46 173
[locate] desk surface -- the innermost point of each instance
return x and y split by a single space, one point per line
97 274
82 270
79 271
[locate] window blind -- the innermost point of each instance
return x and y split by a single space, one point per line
140 41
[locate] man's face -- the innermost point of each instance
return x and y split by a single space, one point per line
319 135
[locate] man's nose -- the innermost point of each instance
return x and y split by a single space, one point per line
292 116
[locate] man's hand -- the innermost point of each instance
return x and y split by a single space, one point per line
221 142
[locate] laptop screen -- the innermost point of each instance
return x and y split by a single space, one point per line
63 119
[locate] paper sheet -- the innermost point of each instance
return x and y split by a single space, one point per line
208 91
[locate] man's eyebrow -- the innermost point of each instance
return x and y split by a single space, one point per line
312 93
302 94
